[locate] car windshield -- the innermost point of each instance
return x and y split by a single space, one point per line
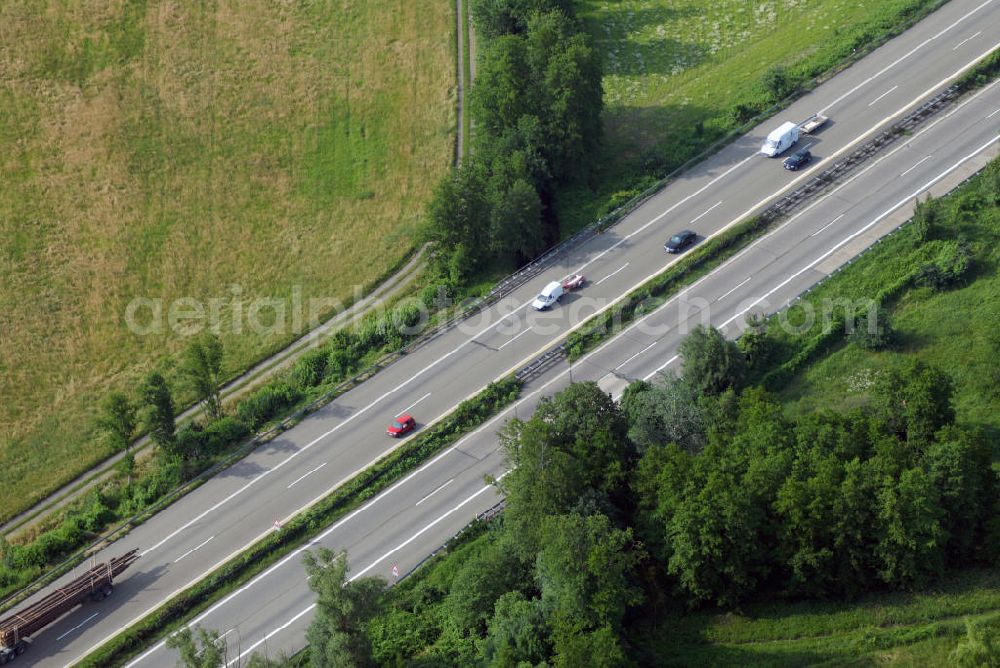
770 143
396 424
676 239
543 297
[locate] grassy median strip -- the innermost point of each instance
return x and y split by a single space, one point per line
240 570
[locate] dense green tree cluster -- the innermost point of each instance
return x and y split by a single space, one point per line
825 505
697 492
537 108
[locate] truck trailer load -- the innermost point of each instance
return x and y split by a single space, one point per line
95 584
813 123
780 140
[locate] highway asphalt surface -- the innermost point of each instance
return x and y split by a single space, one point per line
408 521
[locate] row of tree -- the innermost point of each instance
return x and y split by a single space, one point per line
537 108
200 367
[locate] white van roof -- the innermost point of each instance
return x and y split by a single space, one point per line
782 130
552 287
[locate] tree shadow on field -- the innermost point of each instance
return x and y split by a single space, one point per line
683 642
631 45
660 56
656 140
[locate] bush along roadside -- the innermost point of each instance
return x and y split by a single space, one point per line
939 249
173 614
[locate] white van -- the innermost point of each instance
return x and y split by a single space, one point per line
552 293
780 140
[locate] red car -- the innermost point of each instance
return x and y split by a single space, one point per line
574 282
401 425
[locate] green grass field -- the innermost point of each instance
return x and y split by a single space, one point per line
955 330
166 150
918 629
671 65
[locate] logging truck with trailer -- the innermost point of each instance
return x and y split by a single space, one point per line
96 584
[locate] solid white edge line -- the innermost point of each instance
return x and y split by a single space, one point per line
367 568
468 341
854 235
670 361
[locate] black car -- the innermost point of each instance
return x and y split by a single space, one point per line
798 159
680 241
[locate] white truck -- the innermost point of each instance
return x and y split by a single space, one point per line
780 140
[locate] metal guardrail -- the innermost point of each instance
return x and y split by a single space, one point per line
487 515
787 203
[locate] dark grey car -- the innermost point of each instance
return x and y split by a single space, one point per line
680 241
798 159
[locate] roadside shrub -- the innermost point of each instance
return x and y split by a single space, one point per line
872 330
166 476
224 432
310 368
437 295
341 362
926 220
260 406
743 112
951 266
406 316
95 515
189 442
778 83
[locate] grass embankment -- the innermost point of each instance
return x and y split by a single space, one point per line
954 330
681 75
918 629
161 151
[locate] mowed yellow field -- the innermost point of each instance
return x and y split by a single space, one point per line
220 152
